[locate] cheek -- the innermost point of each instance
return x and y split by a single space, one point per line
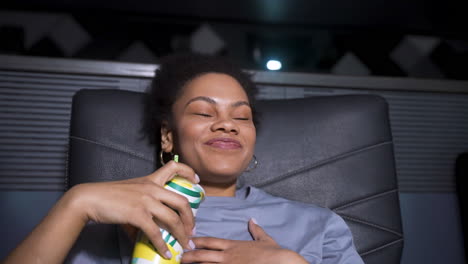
190 132
251 137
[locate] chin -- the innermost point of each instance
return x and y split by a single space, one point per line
220 166
222 173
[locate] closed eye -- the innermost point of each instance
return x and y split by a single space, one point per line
203 114
241 118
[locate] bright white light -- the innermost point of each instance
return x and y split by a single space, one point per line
273 65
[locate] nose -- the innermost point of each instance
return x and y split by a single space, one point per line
226 124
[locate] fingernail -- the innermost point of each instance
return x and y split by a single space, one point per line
168 254
254 220
191 244
194 231
197 178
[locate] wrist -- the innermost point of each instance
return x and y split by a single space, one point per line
74 203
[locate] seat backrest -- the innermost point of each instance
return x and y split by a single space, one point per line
333 151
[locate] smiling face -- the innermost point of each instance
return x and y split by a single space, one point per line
212 128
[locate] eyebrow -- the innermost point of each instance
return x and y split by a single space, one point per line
211 101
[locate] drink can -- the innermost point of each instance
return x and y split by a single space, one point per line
144 251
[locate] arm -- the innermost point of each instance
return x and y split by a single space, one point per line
42 245
135 202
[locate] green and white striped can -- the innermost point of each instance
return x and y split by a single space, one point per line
144 251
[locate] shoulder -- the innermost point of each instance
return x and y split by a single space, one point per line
320 233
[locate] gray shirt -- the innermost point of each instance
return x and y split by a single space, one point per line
316 233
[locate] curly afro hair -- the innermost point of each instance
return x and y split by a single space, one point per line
174 72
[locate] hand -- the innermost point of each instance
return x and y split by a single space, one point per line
140 202
263 249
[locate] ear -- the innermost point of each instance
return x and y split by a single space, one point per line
167 137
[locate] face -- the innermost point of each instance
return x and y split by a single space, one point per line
212 130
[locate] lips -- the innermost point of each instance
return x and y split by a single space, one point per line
224 143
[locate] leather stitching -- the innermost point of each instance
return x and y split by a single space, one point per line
321 163
364 222
365 199
381 247
113 147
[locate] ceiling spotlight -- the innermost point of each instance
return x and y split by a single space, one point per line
273 65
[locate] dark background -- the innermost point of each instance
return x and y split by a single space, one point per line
416 38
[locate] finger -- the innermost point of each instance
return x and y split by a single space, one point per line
153 233
212 243
178 203
257 232
203 256
170 170
169 220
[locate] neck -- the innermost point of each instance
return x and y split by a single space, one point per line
219 189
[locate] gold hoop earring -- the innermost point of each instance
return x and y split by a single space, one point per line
255 164
161 157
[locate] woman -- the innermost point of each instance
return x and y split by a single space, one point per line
203 109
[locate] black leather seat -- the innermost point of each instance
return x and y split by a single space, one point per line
333 151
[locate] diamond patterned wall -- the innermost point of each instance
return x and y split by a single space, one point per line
304 50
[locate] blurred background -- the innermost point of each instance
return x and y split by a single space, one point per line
414 53
416 38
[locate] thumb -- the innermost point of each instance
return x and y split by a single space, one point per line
257 232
